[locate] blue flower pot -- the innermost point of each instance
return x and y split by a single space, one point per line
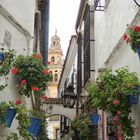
1 56
133 99
138 50
94 119
35 127
10 114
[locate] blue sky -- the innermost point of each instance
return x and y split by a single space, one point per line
63 14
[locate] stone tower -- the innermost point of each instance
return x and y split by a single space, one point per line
55 57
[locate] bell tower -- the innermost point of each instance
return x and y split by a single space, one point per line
55 57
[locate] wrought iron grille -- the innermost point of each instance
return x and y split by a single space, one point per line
98 6
87 44
79 66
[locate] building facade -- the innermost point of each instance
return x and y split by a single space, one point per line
100 26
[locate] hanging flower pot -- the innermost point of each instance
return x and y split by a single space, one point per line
133 99
94 119
1 56
10 114
35 127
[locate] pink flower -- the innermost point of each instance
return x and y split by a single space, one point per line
14 71
45 71
115 118
23 82
45 98
36 56
115 102
118 112
18 102
35 88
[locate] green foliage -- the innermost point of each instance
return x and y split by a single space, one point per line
6 65
109 93
3 108
81 124
135 38
31 69
13 136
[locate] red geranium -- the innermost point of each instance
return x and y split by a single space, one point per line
35 88
18 102
125 37
137 29
14 71
36 56
23 82
45 72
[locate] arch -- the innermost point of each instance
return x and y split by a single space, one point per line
51 73
56 77
58 109
52 59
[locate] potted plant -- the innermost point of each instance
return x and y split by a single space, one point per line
36 117
31 75
110 93
80 127
133 38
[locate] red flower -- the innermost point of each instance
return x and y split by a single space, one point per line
14 71
125 37
115 118
118 112
115 102
23 82
36 56
18 102
137 29
48 62
35 88
45 98
45 71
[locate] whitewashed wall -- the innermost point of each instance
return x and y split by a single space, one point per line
110 26
23 13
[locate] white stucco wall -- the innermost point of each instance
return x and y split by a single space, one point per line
22 10
110 26
23 13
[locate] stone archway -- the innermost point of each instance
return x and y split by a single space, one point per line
54 106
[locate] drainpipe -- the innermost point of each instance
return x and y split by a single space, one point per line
47 8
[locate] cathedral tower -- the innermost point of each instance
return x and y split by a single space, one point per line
55 57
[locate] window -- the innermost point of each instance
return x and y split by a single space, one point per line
52 59
53 43
51 74
56 77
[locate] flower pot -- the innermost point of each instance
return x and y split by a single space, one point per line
94 119
10 114
138 50
133 99
1 56
35 127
